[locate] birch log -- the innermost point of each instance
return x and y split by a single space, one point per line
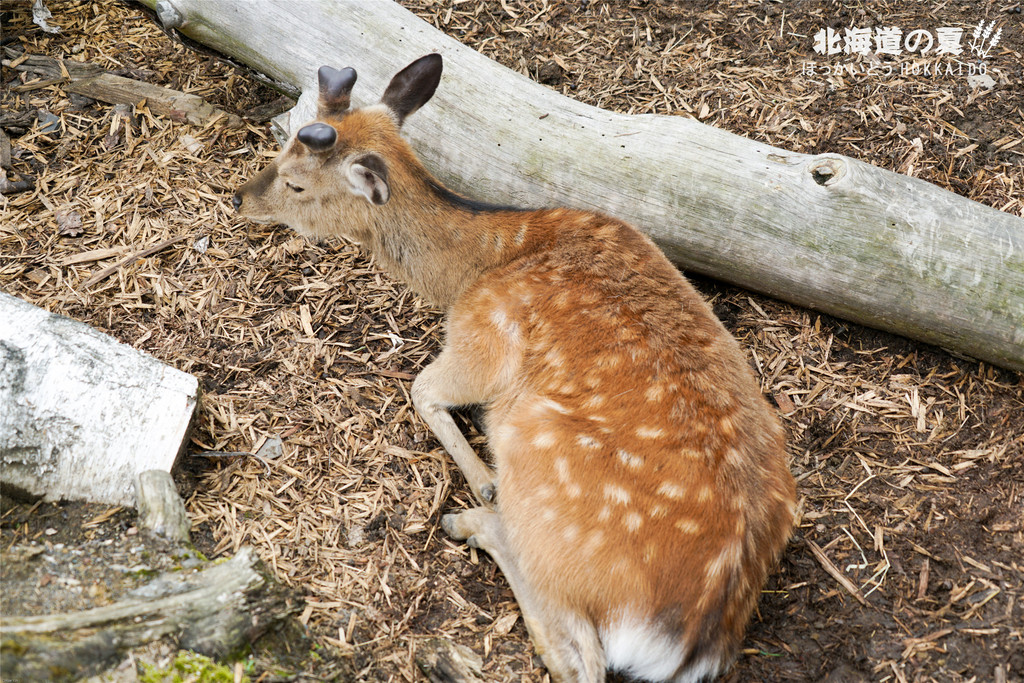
82 414
822 231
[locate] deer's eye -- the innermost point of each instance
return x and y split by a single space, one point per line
295 188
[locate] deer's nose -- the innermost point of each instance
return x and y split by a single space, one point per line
236 201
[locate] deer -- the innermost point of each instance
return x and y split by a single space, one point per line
639 491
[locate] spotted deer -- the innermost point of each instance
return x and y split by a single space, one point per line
640 490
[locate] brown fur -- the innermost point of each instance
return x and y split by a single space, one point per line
643 488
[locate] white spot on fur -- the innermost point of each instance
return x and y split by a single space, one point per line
605 514
593 401
616 494
671 490
533 500
570 532
544 440
556 406
629 460
562 470
633 520
733 457
637 353
704 494
657 511
545 404
612 360
587 441
688 526
501 320
655 392
727 561
650 552
650 432
520 235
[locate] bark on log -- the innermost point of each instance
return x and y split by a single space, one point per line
822 231
80 413
215 612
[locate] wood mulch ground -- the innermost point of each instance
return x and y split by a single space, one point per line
908 563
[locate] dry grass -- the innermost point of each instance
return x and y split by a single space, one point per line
909 561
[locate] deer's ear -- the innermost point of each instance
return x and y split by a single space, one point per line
413 86
368 176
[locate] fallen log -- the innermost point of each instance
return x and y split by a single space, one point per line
164 101
90 80
215 612
822 231
82 414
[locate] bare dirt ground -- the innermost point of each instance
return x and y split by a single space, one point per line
908 562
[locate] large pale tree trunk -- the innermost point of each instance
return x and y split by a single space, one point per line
823 231
81 415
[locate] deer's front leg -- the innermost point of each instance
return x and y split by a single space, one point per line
481 357
441 386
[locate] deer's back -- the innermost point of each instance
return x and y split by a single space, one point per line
641 474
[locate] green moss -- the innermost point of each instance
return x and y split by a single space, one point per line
189 553
191 667
143 573
12 648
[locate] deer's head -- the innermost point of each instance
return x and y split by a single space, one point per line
338 169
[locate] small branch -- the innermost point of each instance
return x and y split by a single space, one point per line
107 272
834 572
163 101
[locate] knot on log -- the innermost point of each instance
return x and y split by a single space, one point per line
169 15
827 170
